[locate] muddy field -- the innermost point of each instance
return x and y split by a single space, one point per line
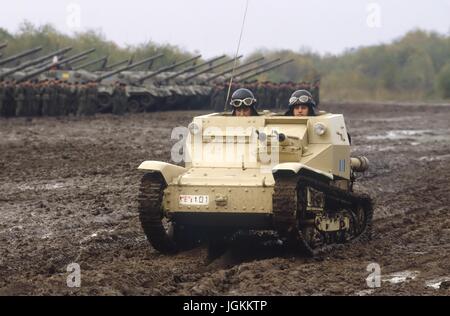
68 194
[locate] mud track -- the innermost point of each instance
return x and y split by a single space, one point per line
68 193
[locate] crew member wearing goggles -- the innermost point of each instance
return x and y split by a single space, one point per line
243 102
301 103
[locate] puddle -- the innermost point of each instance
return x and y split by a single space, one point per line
434 158
418 136
400 277
436 283
47 236
391 119
42 187
365 292
96 234
16 228
378 148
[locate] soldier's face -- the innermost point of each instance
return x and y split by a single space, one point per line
243 111
301 110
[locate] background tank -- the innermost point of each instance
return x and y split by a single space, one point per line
144 90
37 72
20 55
7 72
291 175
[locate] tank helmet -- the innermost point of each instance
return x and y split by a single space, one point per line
243 98
302 97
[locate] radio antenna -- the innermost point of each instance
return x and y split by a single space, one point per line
236 56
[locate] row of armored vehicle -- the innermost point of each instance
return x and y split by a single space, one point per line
192 87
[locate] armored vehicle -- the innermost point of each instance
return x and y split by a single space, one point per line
291 175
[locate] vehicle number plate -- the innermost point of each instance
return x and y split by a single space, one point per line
194 200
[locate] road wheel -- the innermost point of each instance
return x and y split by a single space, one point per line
133 106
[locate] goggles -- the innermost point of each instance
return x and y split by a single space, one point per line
237 103
300 100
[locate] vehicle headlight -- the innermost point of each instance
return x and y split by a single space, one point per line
320 129
194 128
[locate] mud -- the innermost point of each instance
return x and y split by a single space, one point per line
68 191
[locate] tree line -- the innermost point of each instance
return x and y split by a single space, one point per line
413 67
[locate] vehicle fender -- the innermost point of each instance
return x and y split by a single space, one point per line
296 168
168 171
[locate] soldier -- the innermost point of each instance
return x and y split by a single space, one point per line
45 97
2 97
87 99
72 100
301 103
283 94
92 95
82 100
9 104
119 97
316 91
218 98
36 105
53 93
62 97
243 102
19 96
57 93
31 99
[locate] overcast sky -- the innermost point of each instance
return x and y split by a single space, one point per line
212 27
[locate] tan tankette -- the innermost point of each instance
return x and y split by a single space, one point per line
293 175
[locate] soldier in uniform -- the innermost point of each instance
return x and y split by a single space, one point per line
9 104
57 99
30 97
45 97
283 94
72 100
53 91
119 97
36 108
2 97
82 100
19 96
92 98
218 98
64 110
316 91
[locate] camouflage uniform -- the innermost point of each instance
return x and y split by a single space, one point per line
45 97
218 98
29 100
20 100
9 104
62 96
54 106
36 106
119 97
2 98
72 100
316 92
92 95
82 100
